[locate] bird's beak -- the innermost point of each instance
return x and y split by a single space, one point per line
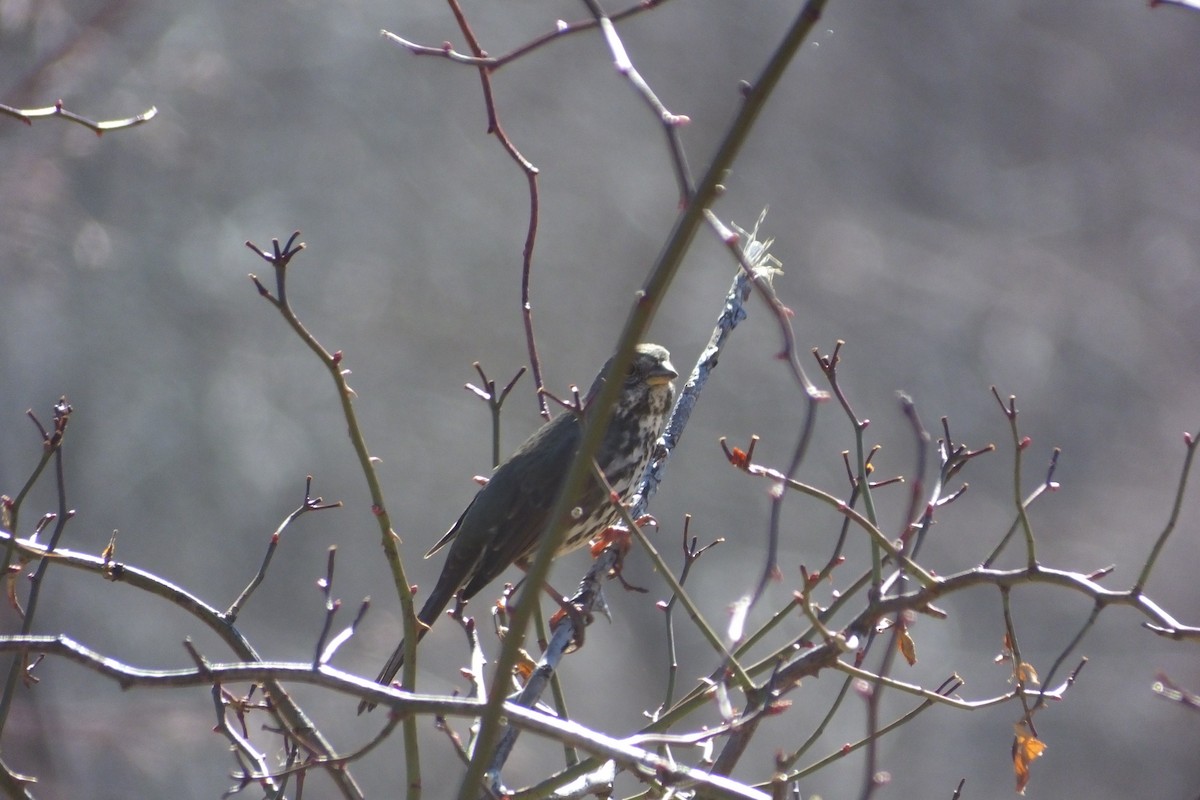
663 374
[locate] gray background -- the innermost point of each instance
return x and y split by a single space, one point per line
970 194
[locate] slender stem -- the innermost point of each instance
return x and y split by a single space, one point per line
1144 576
1019 445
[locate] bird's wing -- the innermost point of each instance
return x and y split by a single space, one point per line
450 534
529 482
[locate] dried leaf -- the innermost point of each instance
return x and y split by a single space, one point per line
908 648
739 458
1027 674
1025 750
525 667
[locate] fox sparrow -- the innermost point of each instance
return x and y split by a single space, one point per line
507 519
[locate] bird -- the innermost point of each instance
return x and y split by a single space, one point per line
507 519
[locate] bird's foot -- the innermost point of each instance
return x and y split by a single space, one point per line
620 538
579 618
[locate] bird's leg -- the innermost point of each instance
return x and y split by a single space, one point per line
619 537
460 605
569 610
565 609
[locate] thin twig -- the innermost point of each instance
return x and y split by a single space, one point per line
287 712
52 444
28 115
852 747
1190 441
1019 445
494 63
310 504
670 122
479 59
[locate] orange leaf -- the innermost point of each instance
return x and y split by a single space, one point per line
1025 750
524 668
908 648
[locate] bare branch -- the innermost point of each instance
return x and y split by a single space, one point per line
630 756
28 115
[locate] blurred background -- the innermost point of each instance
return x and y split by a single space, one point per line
969 194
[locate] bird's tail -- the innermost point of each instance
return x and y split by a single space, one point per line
428 614
389 671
